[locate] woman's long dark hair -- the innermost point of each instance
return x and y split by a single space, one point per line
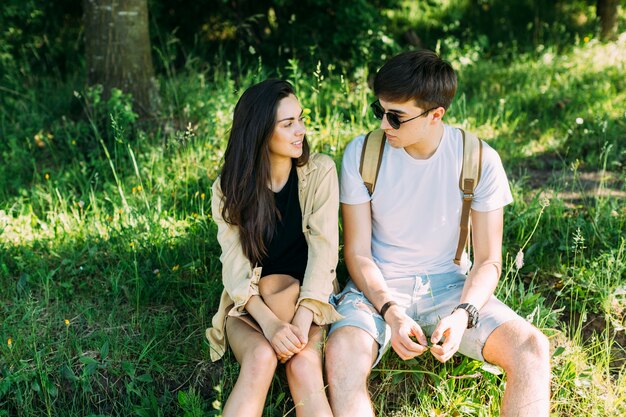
245 177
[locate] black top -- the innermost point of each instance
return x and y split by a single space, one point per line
287 251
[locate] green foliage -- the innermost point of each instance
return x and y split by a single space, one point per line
38 36
343 32
105 222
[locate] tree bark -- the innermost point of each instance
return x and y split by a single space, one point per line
606 10
118 51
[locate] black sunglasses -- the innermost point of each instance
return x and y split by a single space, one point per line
392 118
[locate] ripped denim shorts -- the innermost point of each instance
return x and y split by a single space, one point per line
426 299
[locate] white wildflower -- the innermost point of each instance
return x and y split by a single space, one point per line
519 260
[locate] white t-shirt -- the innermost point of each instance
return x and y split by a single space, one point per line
416 205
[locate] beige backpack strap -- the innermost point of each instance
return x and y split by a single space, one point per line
371 158
468 180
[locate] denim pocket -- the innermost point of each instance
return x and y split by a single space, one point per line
337 299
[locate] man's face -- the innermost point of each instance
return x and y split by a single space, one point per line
415 122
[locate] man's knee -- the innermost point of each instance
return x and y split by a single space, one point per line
350 350
538 345
518 345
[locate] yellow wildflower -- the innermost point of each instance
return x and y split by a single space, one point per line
10 342
132 244
47 176
134 190
586 39
202 196
39 140
175 267
139 188
67 322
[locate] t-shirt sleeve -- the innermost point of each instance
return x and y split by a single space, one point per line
493 191
353 190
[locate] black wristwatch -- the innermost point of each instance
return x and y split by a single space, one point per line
472 314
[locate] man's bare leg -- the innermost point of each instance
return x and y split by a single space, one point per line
350 353
524 354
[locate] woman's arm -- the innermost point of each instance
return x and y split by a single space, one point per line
322 236
241 282
286 338
239 278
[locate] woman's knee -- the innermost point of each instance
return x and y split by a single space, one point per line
304 366
260 360
272 285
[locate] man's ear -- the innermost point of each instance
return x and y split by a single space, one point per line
438 113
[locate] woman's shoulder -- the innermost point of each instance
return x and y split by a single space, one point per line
321 160
217 186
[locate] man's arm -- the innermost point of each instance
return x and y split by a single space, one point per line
357 234
485 273
481 281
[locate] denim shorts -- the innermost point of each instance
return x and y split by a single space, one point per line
426 299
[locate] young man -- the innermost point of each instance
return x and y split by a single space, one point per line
400 244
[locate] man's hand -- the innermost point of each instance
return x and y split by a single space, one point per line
286 339
402 328
452 328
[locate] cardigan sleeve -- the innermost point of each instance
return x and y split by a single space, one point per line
239 278
321 233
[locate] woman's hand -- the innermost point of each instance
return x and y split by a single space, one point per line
303 319
286 339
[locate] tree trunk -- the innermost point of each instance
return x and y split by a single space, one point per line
606 10
117 48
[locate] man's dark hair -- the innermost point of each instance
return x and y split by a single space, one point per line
421 76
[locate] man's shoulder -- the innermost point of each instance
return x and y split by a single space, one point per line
353 149
356 143
455 136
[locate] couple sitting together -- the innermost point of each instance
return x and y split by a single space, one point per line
276 208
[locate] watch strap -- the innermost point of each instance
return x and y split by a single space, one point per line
472 313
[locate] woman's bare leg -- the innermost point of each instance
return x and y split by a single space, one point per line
304 374
280 293
258 364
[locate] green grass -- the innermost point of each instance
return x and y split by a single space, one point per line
105 222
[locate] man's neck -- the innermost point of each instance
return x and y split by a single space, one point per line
425 148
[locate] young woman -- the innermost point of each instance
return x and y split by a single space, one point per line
276 208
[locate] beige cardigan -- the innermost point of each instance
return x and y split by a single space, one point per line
318 192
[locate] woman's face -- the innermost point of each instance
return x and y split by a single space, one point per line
288 136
